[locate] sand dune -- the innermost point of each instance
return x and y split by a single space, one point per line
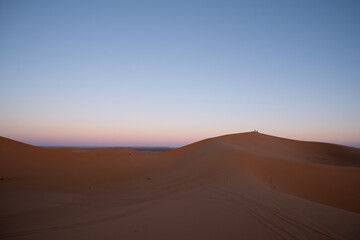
241 186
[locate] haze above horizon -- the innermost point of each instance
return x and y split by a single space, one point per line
169 73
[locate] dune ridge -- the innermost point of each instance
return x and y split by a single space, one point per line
247 185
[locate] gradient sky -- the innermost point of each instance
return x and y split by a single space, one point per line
173 72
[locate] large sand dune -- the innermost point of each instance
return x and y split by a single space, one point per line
241 186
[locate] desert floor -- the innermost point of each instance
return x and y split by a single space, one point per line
240 186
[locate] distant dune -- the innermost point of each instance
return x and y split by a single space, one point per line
240 186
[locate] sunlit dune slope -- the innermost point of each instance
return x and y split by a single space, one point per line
248 184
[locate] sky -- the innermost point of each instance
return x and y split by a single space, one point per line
169 73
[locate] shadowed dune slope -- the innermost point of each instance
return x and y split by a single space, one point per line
321 172
248 186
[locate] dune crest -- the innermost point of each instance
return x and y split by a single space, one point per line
247 185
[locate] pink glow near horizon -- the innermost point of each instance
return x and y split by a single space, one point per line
175 132
166 139
83 138
164 130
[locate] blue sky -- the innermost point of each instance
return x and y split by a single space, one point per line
173 72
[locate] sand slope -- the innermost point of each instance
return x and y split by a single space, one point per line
241 186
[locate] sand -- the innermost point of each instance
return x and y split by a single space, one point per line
241 186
